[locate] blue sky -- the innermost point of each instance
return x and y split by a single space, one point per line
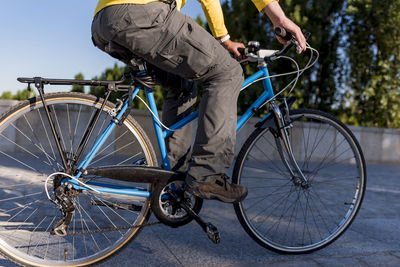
51 39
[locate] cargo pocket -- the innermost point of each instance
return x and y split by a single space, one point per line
188 54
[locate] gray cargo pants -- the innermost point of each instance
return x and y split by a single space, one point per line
173 42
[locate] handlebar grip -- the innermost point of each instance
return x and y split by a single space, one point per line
242 51
284 34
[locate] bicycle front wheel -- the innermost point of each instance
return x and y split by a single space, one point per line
281 214
102 223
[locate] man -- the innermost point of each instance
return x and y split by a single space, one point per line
157 32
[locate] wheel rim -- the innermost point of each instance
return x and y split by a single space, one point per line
28 157
286 217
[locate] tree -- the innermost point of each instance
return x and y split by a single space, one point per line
373 49
115 74
23 94
317 89
78 88
6 95
19 95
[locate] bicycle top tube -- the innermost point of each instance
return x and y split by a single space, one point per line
268 93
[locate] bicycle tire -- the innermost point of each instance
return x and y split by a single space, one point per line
28 155
280 214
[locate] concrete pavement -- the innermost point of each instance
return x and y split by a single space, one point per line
372 240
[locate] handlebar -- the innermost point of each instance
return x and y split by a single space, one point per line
271 55
284 34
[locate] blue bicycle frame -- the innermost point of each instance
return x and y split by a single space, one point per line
162 134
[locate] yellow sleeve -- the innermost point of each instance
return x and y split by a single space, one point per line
215 18
260 4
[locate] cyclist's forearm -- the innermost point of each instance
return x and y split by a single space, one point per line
275 13
278 18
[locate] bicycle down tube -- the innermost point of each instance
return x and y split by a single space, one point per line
161 135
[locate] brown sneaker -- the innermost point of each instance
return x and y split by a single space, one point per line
220 190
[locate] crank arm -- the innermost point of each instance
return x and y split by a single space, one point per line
208 228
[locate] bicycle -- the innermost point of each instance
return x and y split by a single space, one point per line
76 188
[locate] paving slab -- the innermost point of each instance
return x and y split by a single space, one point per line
372 240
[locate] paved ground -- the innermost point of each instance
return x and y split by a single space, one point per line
372 240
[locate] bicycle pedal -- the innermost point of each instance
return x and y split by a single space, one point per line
212 233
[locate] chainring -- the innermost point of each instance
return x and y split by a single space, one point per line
169 211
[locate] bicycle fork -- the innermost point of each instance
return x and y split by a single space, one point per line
283 123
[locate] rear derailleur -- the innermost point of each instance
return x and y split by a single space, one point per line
63 199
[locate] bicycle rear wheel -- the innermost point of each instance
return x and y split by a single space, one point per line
281 214
28 155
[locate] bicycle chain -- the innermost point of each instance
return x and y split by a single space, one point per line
112 229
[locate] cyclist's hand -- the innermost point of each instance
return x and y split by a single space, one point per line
232 47
278 18
295 30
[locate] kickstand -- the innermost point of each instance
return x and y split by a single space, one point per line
208 228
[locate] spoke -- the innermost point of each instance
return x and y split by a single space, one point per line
315 144
16 208
77 122
269 195
71 137
285 210
128 159
24 149
73 238
285 207
278 170
277 202
266 178
272 193
59 128
27 218
47 231
305 227
13 198
113 142
266 169
115 151
83 236
330 163
90 217
47 135
294 212
86 126
324 206
51 160
102 125
79 206
16 185
112 210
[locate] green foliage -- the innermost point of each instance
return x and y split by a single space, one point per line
317 88
20 95
200 21
373 48
115 74
78 88
357 76
6 95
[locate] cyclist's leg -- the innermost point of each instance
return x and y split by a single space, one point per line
178 103
175 43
